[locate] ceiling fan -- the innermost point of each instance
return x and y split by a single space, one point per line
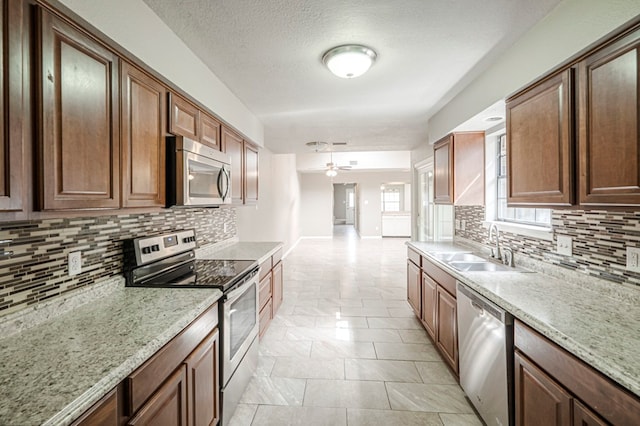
332 168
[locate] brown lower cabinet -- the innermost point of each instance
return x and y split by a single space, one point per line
178 385
553 387
413 287
270 290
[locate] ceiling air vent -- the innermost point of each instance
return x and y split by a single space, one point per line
353 162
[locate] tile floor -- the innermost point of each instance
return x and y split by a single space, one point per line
345 347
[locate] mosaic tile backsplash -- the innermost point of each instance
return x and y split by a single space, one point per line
600 239
38 268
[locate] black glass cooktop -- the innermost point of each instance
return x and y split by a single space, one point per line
201 273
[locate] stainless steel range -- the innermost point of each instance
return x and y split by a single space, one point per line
169 261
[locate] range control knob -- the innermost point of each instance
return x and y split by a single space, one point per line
146 250
155 247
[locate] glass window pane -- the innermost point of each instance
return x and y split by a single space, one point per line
526 215
543 216
502 188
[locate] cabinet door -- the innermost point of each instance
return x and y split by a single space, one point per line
429 297
203 382
413 287
250 174
102 413
277 289
168 405
11 69
582 416
609 137
468 154
265 318
443 171
264 290
539 399
209 131
184 118
143 141
79 120
233 146
540 144
447 327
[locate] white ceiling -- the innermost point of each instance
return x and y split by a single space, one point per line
269 54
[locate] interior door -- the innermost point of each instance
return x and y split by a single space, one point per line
350 205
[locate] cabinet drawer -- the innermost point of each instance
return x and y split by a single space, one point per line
414 256
601 394
441 277
265 318
143 382
265 269
277 257
265 290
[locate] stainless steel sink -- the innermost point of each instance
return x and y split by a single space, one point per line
458 257
481 265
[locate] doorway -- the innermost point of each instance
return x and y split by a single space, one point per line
345 204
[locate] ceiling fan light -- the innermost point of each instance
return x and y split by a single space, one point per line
349 61
331 173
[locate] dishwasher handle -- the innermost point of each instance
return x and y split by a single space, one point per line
484 305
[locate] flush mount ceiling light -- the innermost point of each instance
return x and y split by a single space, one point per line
349 60
494 118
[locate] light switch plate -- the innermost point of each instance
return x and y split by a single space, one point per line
75 263
463 225
457 224
564 245
633 259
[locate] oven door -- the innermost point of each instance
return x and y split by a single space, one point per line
240 325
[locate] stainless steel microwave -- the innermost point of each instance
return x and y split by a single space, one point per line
197 175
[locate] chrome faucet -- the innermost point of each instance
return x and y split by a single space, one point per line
495 252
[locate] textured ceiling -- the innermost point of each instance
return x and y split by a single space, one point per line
269 54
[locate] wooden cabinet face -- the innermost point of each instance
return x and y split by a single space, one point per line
168 406
413 287
233 146
443 168
582 416
143 141
265 318
429 298
539 399
203 382
609 137
79 125
11 113
102 413
468 155
447 327
250 174
278 284
264 290
209 131
540 144
184 118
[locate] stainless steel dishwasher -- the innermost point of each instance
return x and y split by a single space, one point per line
485 334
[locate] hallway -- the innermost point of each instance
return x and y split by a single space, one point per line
345 348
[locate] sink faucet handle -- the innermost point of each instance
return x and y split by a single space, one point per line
507 256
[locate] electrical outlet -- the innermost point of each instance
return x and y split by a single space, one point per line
75 263
633 259
457 224
564 245
463 225
225 226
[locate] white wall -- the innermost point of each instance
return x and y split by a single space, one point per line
316 203
133 25
276 216
570 27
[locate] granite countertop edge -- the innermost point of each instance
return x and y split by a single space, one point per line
240 250
567 342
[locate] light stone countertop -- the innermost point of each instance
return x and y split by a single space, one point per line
54 371
259 251
599 326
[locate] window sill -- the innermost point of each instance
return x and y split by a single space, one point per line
520 229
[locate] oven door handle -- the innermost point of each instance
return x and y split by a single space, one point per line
240 287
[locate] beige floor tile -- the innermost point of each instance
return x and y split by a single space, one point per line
459 420
268 415
341 349
341 322
367 335
359 417
285 348
346 393
364 312
414 336
316 311
309 333
274 391
376 303
293 321
406 351
401 312
243 416
395 323
265 365
436 373
431 398
308 368
381 370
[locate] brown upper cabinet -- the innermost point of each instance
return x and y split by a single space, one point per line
244 167
143 139
78 140
609 138
459 169
189 121
11 108
540 143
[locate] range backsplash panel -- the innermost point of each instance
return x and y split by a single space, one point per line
38 268
600 239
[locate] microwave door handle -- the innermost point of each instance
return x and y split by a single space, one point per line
219 182
227 180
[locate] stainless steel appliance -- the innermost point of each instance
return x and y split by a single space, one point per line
197 175
485 333
169 261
